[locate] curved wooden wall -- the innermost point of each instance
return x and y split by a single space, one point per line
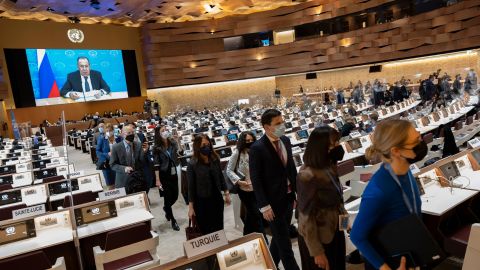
307 12
203 60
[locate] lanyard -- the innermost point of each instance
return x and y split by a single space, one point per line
337 186
405 197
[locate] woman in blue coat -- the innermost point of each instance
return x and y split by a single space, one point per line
392 192
104 145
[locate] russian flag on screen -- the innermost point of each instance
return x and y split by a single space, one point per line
48 84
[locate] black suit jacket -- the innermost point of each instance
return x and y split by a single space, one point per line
74 82
269 176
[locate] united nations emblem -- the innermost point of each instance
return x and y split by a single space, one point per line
75 35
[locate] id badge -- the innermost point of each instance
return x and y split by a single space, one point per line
343 222
173 170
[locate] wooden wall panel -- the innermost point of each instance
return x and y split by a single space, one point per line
446 29
3 84
256 22
226 94
76 111
260 91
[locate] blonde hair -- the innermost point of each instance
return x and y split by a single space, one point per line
388 134
109 126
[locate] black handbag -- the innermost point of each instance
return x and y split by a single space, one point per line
105 165
407 237
135 183
192 231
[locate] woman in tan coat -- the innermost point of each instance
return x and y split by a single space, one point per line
320 202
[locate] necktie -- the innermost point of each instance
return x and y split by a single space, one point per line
129 155
87 85
278 148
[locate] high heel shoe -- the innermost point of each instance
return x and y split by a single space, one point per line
175 226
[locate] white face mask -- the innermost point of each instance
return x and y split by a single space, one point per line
107 134
165 134
279 130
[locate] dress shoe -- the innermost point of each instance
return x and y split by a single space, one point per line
175 226
354 257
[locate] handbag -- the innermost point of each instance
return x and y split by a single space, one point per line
105 165
407 237
192 231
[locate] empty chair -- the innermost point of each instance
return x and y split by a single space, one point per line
469 120
53 178
472 256
5 187
428 138
36 260
132 247
79 198
456 243
345 170
458 125
6 212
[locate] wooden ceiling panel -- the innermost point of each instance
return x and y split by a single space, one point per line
135 12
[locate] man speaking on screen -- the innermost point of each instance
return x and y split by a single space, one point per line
84 83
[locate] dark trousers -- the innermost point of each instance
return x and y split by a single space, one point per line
209 213
253 219
281 246
335 252
169 193
109 176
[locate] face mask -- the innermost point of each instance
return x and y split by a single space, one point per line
420 151
165 134
336 154
279 130
101 130
107 134
130 137
206 151
248 144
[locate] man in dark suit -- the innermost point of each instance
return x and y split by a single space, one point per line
273 175
84 81
127 156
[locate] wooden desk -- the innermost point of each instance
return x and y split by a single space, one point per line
438 200
55 240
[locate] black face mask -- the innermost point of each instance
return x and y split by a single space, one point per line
336 154
130 137
206 151
248 144
420 151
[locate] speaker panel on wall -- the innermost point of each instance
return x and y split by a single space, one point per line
311 76
376 68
